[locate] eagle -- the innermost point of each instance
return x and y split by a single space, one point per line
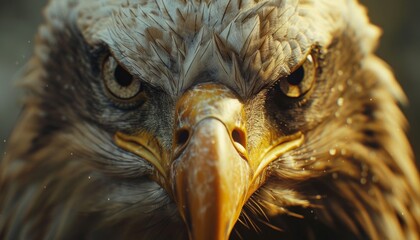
201 119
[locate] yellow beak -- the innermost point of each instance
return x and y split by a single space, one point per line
210 182
210 173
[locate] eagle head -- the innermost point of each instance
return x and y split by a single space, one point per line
209 120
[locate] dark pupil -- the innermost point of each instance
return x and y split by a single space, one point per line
123 78
296 77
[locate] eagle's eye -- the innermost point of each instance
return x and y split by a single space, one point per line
300 80
120 83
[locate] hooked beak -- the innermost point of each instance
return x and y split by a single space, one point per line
208 171
210 182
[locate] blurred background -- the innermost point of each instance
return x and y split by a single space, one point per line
400 47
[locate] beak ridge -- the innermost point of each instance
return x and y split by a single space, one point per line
211 180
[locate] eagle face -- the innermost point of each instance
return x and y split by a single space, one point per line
208 120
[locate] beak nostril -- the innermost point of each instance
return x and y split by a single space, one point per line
182 137
239 137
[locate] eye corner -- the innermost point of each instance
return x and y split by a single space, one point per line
99 50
